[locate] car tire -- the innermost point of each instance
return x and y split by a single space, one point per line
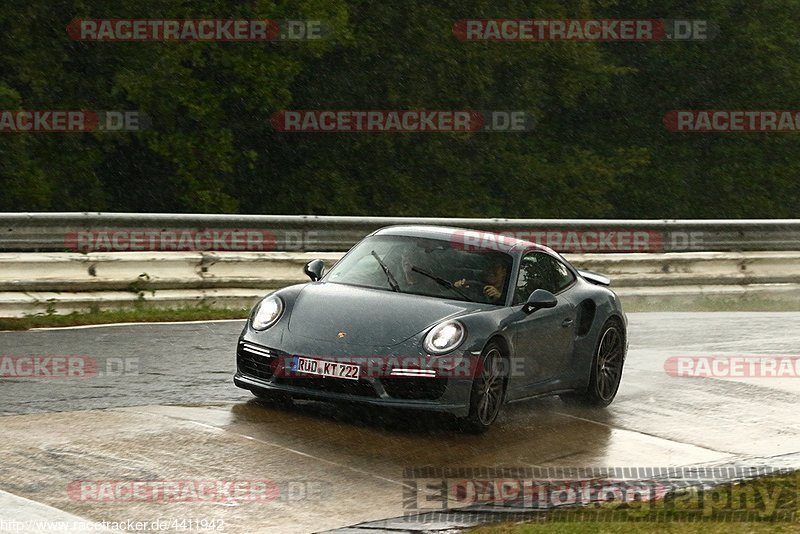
488 391
281 400
607 365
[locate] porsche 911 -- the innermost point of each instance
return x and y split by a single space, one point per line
438 319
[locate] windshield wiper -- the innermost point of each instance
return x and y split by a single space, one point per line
389 276
441 281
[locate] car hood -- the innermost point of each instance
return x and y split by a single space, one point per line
367 316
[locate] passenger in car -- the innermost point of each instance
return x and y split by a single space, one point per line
411 281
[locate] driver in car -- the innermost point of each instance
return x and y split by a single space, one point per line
495 274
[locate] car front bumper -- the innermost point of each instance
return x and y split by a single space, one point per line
262 368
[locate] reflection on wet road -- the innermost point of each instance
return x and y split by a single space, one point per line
173 415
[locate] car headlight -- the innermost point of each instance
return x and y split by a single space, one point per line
267 313
444 337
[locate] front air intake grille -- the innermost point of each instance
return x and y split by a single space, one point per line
256 361
359 388
408 388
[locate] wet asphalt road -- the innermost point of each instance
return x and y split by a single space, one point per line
186 363
175 415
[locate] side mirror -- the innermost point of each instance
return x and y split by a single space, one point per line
314 269
541 298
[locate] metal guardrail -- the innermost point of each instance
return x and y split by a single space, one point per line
146 271
52 282
87 232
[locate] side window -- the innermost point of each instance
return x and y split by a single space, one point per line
532 276
562 276
540 271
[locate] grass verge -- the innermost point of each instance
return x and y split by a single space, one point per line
622 527
729 507
137 315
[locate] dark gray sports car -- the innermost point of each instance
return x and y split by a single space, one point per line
440 319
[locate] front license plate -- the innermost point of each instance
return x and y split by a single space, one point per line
322 368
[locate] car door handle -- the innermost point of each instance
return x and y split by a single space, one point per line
567 322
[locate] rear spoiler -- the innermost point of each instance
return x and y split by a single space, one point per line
595 278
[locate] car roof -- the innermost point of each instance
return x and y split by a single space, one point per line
465 237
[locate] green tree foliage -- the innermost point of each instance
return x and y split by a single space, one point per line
599 148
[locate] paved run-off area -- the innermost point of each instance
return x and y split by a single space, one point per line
162 408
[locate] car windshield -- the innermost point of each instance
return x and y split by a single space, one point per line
429 267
